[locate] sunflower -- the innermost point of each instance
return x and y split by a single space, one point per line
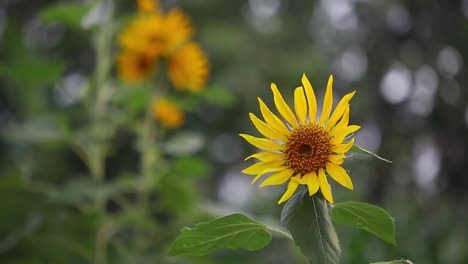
189 67
156 33
146 6
135 66
177 29
167 113
303 150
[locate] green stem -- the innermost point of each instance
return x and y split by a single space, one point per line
280 232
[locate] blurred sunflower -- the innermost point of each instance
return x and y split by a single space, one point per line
156 33
146 6
144 34
189 67
167 113
135 66
303 150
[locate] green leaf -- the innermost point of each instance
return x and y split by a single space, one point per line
367 217
357 149
233 231
308 220
69 14
218 96
401 261
187 167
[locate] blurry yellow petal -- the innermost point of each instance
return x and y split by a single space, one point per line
266 130
339 110
282 107
342 148
272 120
268 170
336 159
343 133
327 101
292 186
324 187
278 178
339 175
262 143
311 100
312 182
300 104
261 166
342 123
266 156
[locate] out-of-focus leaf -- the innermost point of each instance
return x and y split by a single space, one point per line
185 167
20 214
233 231
86 189
184 143
401 261
178 196
32 70
67 13
138 99
367 217
218 96
45 129
26 227
357 149
309 222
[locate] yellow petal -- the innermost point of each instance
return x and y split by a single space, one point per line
343 148
278 178
268 170
261 166
266 156
337 159
339 175
262 143
342 123
292 186
311 100
339 110
343 133
324 187
312 182
272 120
282 107
266 130
300 105
327 101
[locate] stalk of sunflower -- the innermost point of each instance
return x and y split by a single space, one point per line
303 149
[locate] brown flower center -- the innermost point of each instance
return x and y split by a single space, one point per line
144 63
308 148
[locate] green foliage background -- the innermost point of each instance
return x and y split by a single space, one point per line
54 210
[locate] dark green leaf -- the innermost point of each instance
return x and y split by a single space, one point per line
401 261
308 220
232 231
367 217
31 70
357 149
69 14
